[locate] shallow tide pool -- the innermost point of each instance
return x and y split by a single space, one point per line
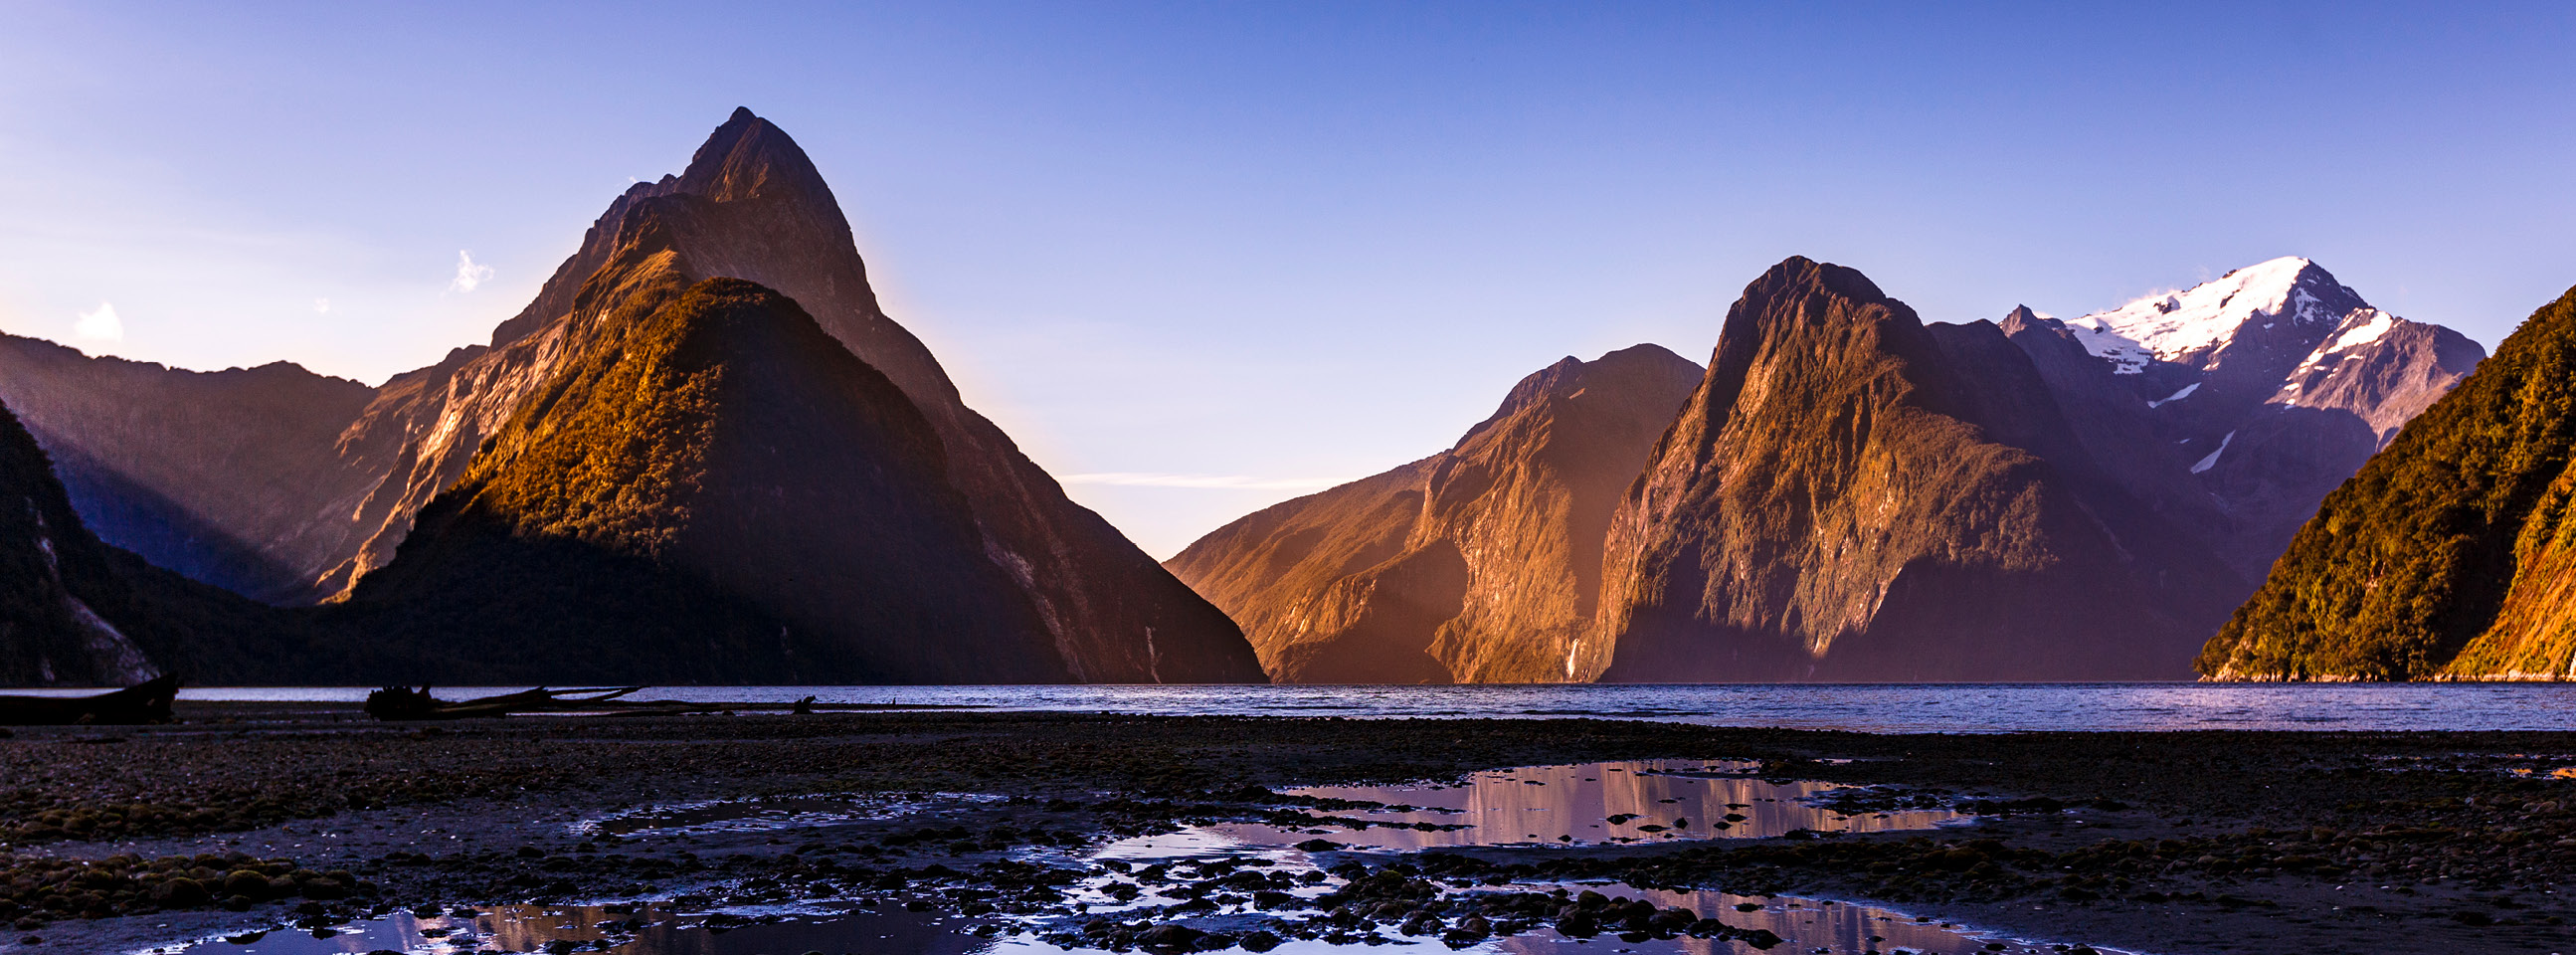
1233 879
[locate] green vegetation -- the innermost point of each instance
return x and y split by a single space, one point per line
545 561
2414 556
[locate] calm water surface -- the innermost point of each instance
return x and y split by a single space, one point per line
1875 708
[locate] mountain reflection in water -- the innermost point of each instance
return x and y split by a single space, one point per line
1589 804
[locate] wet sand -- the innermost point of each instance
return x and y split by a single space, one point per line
2150 842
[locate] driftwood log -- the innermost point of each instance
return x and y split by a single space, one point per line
405 703
142 703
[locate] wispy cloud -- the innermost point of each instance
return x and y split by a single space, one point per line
468 274
1224 481
321 306
100 323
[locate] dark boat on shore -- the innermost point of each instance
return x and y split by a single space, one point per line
142 703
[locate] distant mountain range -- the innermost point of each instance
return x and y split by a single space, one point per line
1848 493
704 454
786 489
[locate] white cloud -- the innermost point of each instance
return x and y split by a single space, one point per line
321 306
100 323
1224 481
468 274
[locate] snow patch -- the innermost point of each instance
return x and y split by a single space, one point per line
2173 324
2176 396
2362 327
2212 460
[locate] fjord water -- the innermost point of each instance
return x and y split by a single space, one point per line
1869 707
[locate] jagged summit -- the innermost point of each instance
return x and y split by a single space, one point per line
749 157
2271 384
2182 326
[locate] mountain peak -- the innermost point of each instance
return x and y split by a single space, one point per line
749 157
2173 326
1801 271
1570 377
2024 316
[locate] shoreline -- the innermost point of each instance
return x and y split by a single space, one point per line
2171 842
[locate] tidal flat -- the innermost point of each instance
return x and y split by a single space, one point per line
286 828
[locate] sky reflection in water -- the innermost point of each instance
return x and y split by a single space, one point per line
1652 800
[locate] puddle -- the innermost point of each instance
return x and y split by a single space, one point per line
628 929
1804 925
767 813
1587 804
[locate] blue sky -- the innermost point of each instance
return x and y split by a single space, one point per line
1256 247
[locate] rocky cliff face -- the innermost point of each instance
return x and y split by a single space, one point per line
2448 554
1479 564
229 477
706 485
2275 381
1852 495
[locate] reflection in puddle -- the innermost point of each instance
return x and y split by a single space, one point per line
1589 804
767 813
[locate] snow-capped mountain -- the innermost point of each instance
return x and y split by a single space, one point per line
2268 385
2290 295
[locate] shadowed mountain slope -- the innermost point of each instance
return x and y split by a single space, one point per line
229 477
1851 495
708 485
77 612
2449 553
1479 564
